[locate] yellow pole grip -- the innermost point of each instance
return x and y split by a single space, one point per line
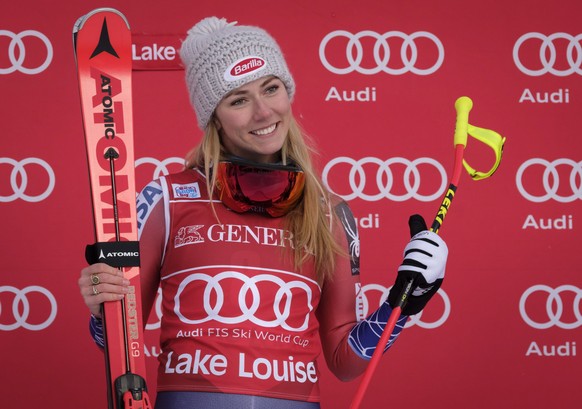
463 106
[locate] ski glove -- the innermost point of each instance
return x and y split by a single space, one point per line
425 258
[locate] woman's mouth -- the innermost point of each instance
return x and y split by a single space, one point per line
264 131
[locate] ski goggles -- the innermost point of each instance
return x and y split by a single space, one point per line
263 188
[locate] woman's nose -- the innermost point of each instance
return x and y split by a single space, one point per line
261 109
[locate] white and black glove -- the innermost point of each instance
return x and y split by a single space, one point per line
425 258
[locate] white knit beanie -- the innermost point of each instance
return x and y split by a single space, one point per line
219 57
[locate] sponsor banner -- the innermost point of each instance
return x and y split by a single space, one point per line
156 52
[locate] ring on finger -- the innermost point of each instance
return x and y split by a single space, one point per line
95 290
95 279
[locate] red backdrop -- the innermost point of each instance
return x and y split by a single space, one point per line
504 331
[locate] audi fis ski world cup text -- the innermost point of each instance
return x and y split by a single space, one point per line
244 334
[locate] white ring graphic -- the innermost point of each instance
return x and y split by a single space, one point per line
548 47
551 189
381 44
18 169
413 320
213 287
21 317
17 61
161 166
158 310
385 186
553 297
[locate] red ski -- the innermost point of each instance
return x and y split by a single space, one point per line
102 42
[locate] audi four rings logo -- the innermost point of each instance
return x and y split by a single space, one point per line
213 300
415 319
548 55
17 53
19 180
554 298
550 181
384 178
20 310
381 52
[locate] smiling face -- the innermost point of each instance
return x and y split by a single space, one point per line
253 120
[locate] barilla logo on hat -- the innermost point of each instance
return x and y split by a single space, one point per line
243 67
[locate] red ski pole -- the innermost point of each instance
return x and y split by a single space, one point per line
463 106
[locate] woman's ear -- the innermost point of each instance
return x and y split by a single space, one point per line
216 123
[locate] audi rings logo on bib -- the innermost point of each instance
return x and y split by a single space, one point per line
29 52
369 53
397 179
233 297
539 180
435 315
559 54
157 313
543 307
30 179
33 308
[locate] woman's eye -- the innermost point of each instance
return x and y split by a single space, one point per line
237 101
272 89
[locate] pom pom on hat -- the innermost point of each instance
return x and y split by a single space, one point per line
200 36
219 57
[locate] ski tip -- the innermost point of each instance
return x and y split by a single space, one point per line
83 19
78 24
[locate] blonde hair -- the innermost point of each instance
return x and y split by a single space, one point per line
310 221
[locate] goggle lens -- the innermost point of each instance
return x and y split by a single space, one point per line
274 189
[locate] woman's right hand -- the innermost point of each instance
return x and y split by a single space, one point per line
99 283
